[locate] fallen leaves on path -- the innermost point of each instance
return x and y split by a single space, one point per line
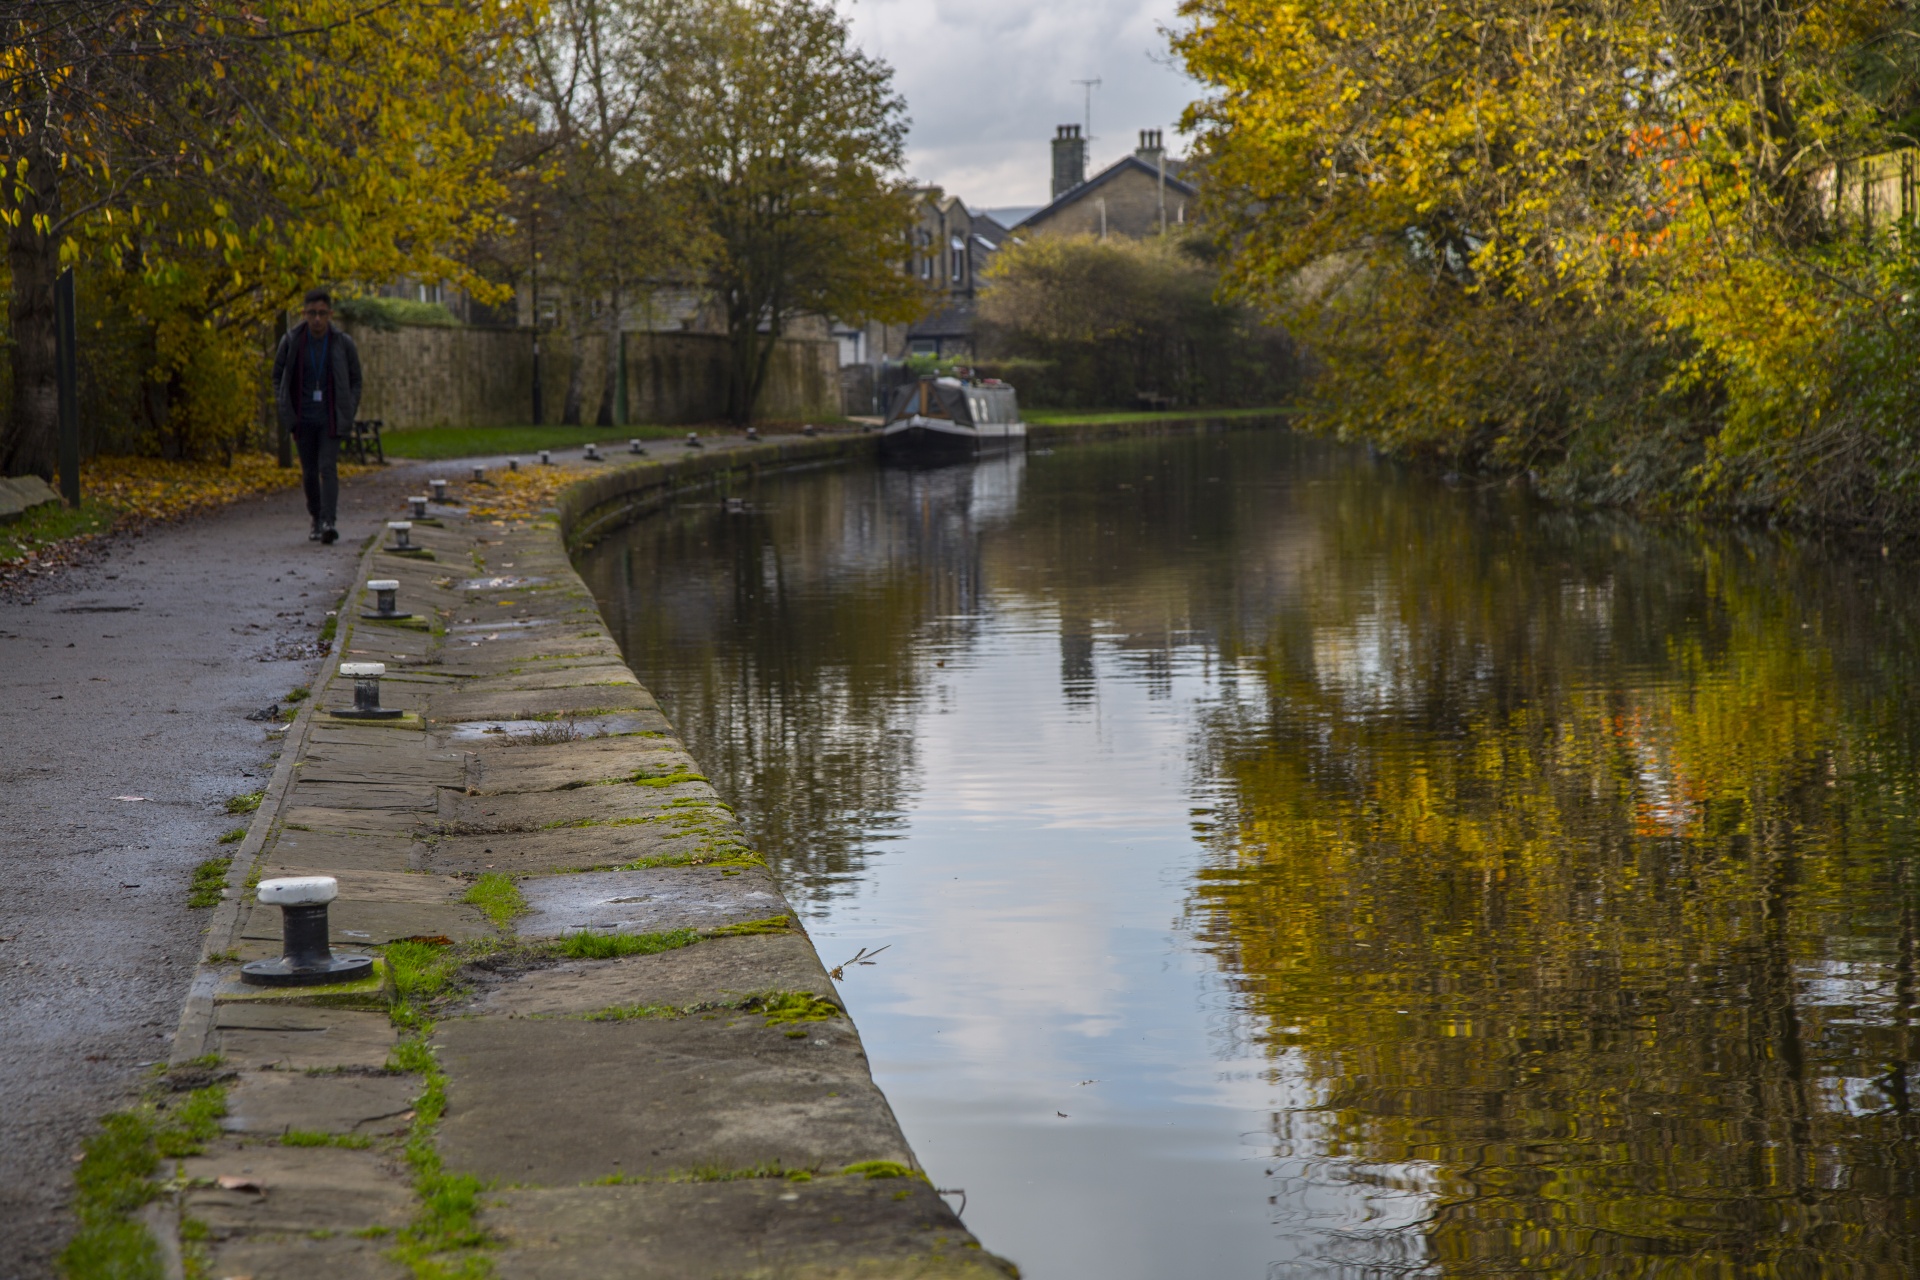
519 495
124 494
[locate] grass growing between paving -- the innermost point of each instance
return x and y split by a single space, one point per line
435 443
498 898
115 1178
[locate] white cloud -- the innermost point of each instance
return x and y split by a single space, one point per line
986 83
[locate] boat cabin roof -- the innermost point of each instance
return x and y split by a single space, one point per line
968 403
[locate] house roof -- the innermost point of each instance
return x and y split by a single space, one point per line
1107 175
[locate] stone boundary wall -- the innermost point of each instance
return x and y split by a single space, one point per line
434 377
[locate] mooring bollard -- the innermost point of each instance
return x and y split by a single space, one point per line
807 430
384 591
439 488
419 505
402 531
306 957
693 441
753 433
546 457
633 446
593 453
513 464
366 692
479 472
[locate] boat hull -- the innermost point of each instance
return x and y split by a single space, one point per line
925 439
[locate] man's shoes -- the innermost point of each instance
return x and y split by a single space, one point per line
313 534
329 535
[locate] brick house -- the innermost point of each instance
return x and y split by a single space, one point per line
1137 195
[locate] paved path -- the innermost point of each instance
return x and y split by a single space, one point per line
132 677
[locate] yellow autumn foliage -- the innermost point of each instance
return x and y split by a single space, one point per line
1606 243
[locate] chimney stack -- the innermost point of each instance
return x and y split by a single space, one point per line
1069 159
1149 149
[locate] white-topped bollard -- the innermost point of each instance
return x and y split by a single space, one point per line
384 592
419 505
439 488
593 453
633 446
402 531
306 955
753 433
693 441
546 457
366 692
479 472
513 464
807 430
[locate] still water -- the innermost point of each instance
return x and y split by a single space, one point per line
1287 866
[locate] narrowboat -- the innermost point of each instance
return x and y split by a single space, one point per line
944 418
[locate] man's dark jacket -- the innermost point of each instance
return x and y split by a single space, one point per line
342 388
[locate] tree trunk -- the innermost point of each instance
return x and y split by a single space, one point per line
576 360
610 380
29 441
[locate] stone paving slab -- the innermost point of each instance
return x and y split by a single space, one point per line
584 806
304 1258
725 970
302 1037
650 901
274 1102
575 849
328 851
501 770
827 1229
302 1189
533 704
655 1097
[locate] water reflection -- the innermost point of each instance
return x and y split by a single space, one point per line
1294 868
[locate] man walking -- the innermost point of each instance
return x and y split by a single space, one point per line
316 378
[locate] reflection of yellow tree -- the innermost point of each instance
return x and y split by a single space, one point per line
1553 893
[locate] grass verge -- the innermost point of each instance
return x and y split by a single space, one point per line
209 880
1101 418
115 1177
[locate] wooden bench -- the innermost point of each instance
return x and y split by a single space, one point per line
365 436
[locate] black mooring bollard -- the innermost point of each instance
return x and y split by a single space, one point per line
306 956
385 594
366 692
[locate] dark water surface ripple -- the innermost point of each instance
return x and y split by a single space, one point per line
1290 867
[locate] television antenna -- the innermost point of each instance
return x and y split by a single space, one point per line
1089 86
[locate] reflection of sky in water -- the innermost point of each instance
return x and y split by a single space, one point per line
1032 905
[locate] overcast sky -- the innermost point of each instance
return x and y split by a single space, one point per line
987 81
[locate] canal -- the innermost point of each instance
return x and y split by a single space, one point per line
1282 865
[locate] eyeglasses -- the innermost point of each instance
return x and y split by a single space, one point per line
320 312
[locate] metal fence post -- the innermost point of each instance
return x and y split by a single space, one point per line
63 308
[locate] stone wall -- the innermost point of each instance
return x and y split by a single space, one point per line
420 377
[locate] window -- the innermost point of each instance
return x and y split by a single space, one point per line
957 259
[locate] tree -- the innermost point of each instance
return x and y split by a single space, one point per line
1111 319
214 158
595 71
786 143
1594 241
